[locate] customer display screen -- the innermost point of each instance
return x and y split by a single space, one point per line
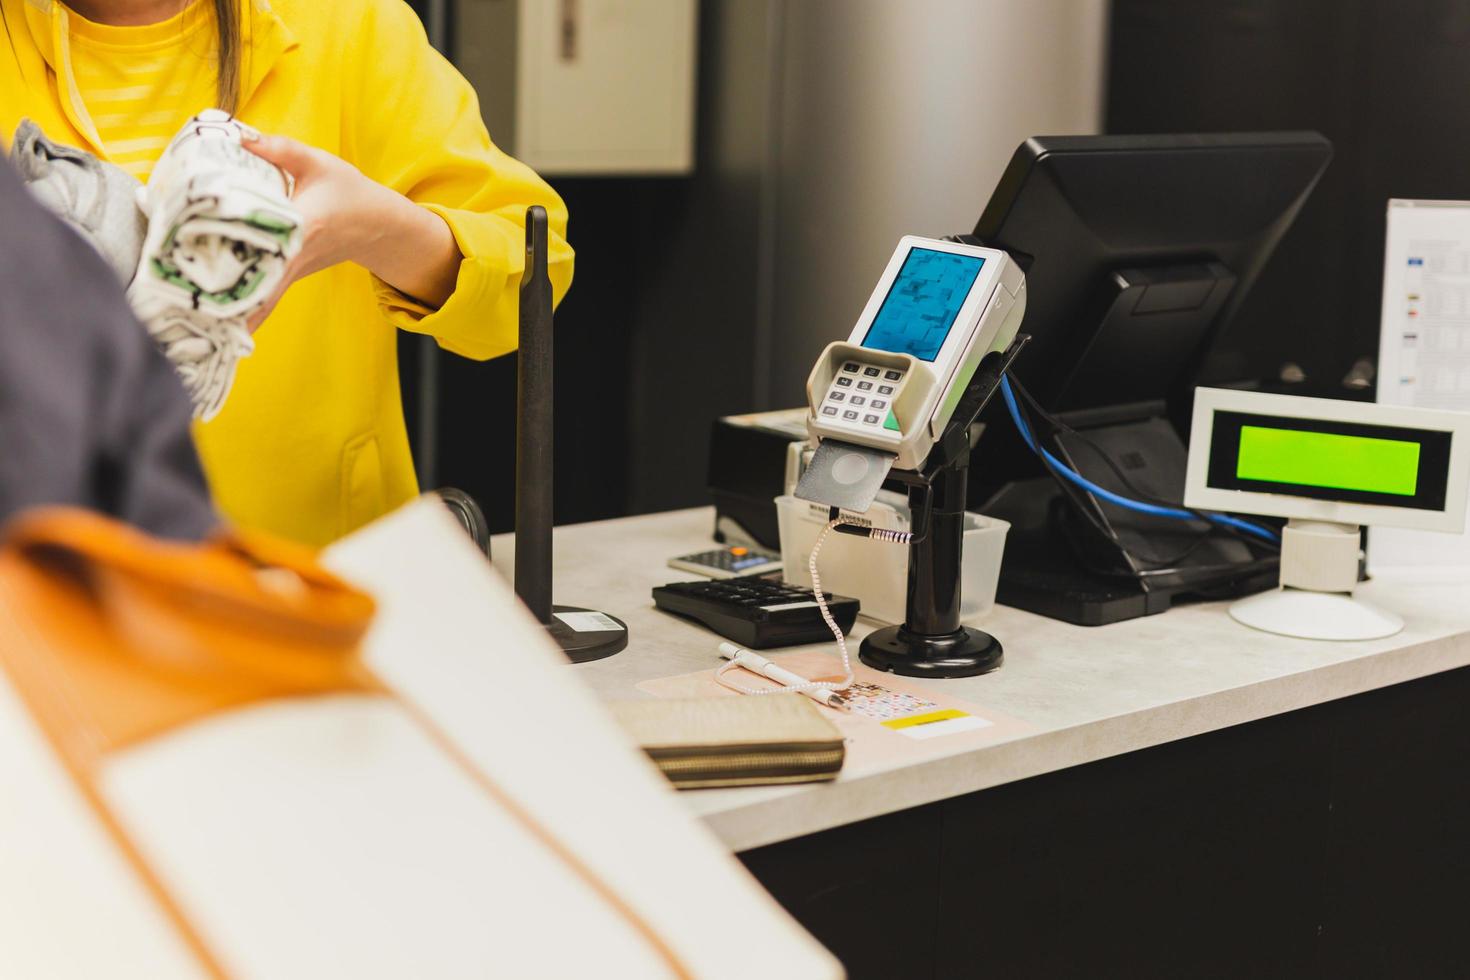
1348 461
921 306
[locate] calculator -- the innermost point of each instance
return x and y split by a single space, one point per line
756 611
728 562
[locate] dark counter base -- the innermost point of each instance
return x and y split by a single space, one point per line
1332 842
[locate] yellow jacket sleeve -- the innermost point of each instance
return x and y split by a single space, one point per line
415 126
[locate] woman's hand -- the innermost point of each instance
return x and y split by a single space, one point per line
348 217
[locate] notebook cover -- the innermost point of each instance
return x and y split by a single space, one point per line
731 741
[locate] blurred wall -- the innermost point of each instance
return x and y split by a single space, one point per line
898 118
828 129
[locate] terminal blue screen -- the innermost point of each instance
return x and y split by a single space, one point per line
921 306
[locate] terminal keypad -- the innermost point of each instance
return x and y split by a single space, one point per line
880 387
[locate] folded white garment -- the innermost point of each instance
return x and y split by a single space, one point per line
203 349
221 232
96 198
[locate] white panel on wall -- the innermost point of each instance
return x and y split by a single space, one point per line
606 86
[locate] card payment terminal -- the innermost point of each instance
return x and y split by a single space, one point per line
883 397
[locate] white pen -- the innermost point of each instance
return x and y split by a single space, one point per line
757 664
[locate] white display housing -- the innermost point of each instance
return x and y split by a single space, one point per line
1200 495
922 390
1320 546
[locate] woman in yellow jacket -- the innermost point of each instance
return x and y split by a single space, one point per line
414 220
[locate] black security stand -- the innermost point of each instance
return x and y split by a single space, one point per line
583 634
932 642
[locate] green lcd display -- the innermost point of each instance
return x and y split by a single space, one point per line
1322 459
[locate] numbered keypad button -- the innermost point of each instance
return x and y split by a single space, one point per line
829 410
870 419
850 367
879 403
871 372
836 396
892 375
858 399
844 382
849 415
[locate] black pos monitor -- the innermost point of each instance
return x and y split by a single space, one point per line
1137 252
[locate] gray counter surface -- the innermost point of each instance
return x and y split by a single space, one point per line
1088 693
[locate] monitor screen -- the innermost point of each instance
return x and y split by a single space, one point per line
921 305
1330 460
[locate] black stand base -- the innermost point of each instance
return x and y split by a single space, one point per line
1041 575
964 653
585 645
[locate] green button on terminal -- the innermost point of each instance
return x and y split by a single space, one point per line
891 423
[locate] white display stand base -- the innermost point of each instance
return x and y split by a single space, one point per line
1315 615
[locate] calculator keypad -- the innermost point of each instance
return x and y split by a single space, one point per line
736 559
874 381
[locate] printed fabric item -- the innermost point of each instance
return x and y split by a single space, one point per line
221 232
97 199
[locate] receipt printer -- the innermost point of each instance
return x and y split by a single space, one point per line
883 397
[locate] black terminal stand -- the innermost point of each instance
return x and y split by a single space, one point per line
932 642
577 630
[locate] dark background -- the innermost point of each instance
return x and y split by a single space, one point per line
657 336
1383 79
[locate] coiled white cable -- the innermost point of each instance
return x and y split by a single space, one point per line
874 533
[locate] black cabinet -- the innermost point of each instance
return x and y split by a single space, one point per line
1330 842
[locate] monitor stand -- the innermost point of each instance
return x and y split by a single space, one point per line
1070 556
1061 565
1319 569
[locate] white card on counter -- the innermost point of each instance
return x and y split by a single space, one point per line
589 622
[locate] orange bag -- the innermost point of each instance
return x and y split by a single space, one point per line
112 637
121 636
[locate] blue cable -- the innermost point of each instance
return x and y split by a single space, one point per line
1127 503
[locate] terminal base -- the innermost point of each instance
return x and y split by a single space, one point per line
1315 615
963 653
584 645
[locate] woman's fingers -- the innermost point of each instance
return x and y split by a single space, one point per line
294 157
253 322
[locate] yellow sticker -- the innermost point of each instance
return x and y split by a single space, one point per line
929 718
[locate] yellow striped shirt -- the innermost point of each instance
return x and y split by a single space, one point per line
140 84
